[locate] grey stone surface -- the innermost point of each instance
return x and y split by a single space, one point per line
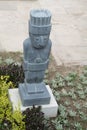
36 51
37 94
69 31
37 47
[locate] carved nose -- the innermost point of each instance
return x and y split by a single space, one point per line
42 39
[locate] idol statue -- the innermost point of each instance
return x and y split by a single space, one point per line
36 50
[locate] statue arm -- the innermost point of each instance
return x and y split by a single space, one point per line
25 49
35 66
50 44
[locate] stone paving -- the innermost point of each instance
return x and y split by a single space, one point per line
69 27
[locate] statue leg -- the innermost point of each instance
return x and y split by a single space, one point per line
34 77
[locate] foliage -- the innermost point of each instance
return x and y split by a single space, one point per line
61 120
58 81
4 102
14 71
71 78
71 94
7 58
17 121
34 119
9 61
8 119
46 78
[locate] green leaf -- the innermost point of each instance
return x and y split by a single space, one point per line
9 61
79 86
59 127
72 113
67 103
78 126
1 60
84 82
85 72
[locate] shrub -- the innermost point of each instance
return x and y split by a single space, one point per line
34 119
14 71
8 119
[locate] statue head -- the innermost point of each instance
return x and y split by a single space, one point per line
39 27
39 41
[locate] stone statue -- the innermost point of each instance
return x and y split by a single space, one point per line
36 50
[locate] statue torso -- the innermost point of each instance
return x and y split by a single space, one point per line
34 55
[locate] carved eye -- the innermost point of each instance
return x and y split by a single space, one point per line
37 39
45 38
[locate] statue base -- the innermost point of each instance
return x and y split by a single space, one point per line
49 110
34 94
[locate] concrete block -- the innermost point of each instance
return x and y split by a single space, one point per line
50 110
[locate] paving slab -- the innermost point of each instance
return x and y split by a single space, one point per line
69 30
8 5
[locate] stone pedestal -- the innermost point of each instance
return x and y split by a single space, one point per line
50 110
34 94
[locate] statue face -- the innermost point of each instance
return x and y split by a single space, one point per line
39 41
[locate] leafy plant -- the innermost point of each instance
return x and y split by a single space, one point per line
15 73
71 78
17 121
9 61
8 119
85 72
78 126
83 116
61 120
53 84
79 86
83 79
72 94
64 92
46 77
67 103
78 106
74 109
1 60
58 82
72 113
34 119
57 95
81 94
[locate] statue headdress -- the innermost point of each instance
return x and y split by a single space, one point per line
40 22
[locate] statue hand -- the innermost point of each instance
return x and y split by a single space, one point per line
38 60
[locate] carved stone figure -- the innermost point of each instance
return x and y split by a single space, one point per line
36 50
